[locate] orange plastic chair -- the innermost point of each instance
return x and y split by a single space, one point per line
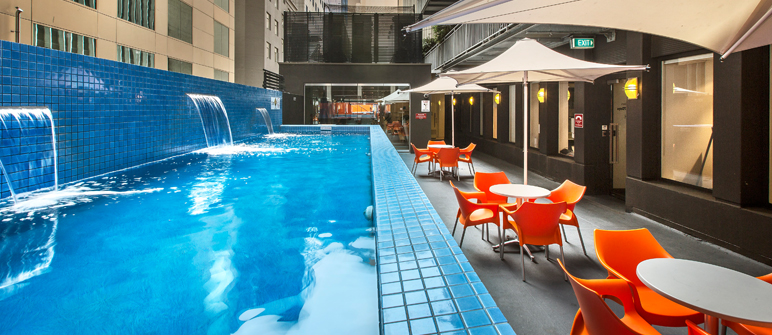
465 156
421 156
535 224
571 193
448 158
483 182
620 252
743 329
473 214
595 317
436 142
694 329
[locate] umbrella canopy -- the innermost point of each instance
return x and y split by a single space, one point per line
530 60
722 26
540 62
449 85
396 96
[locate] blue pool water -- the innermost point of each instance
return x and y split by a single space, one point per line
266 237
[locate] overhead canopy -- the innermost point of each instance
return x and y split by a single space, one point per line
723 26
396 96
541 63
448 85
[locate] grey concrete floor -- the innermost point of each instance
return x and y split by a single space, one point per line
546 304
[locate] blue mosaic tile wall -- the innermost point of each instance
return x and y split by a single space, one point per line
111 115
427 286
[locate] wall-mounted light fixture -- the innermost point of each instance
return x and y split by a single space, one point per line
497 98
541 95
568 95
439 102
631 88
471 100
454 101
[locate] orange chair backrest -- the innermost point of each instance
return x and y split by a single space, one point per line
464 205
598 317
436 142
538 222
694 329
468 150
569 192
623 250
483 182
448 157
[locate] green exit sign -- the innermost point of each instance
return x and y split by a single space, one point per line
582 43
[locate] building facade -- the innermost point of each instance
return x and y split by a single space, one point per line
189 36
261 45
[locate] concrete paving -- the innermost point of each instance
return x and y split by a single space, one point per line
546 304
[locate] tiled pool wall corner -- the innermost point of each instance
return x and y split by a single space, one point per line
426 284
321 129
110 115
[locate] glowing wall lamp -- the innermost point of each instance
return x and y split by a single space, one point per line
631 88
454 101
497 98
568 95
439 102
540 95
471 100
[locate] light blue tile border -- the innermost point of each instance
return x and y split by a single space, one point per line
320 129
425 283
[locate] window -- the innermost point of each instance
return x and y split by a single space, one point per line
276 4
180 21
64 41
566 121
90 3
222 4
533 115
268 21
687 120
221 40
276 54
276 27
221 75
141 12
180 66
268 49
495 117
482 113
512 113
136 57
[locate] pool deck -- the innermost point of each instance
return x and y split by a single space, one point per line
546 304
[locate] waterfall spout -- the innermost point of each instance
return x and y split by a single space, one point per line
214 119
28 133
267 119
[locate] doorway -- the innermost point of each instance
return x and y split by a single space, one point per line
618 139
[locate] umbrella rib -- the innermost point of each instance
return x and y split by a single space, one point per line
477 80
520 11
573 77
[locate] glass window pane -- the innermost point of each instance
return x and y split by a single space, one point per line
221 75
566 119
141 12
180 21
180 66
220 38
687 120
533 115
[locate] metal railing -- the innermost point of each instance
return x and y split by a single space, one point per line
463 39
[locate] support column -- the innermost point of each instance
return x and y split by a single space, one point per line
644 115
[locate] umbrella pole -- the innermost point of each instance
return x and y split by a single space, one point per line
525 128
452 121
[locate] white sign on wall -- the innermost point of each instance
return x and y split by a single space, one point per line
426 105
275 103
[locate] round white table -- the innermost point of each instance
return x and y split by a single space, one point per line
439 146
718 292
520 192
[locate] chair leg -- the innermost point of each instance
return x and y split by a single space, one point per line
565 238
458 175
454 227
522 260
565 276
501 243
489 232
441 173
581 240
472 163
547 251
463 232
482 233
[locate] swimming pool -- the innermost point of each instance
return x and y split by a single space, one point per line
256 238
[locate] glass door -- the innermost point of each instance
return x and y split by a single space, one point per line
618 138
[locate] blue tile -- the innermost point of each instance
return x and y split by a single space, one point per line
412 285
496 315
449 322
505 329
438 294
468 303
461 290
487 330
422 326
418 311
411 274
476 318
392 300
399 328
394 314
443 307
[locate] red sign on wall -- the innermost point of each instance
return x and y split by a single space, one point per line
420 116
578 120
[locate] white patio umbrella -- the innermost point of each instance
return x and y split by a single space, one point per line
528 59
449 85
723 26
396 96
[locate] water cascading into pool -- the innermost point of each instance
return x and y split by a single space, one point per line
214 119
27 149
267 119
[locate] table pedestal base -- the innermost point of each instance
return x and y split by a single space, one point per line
528 249
712 324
